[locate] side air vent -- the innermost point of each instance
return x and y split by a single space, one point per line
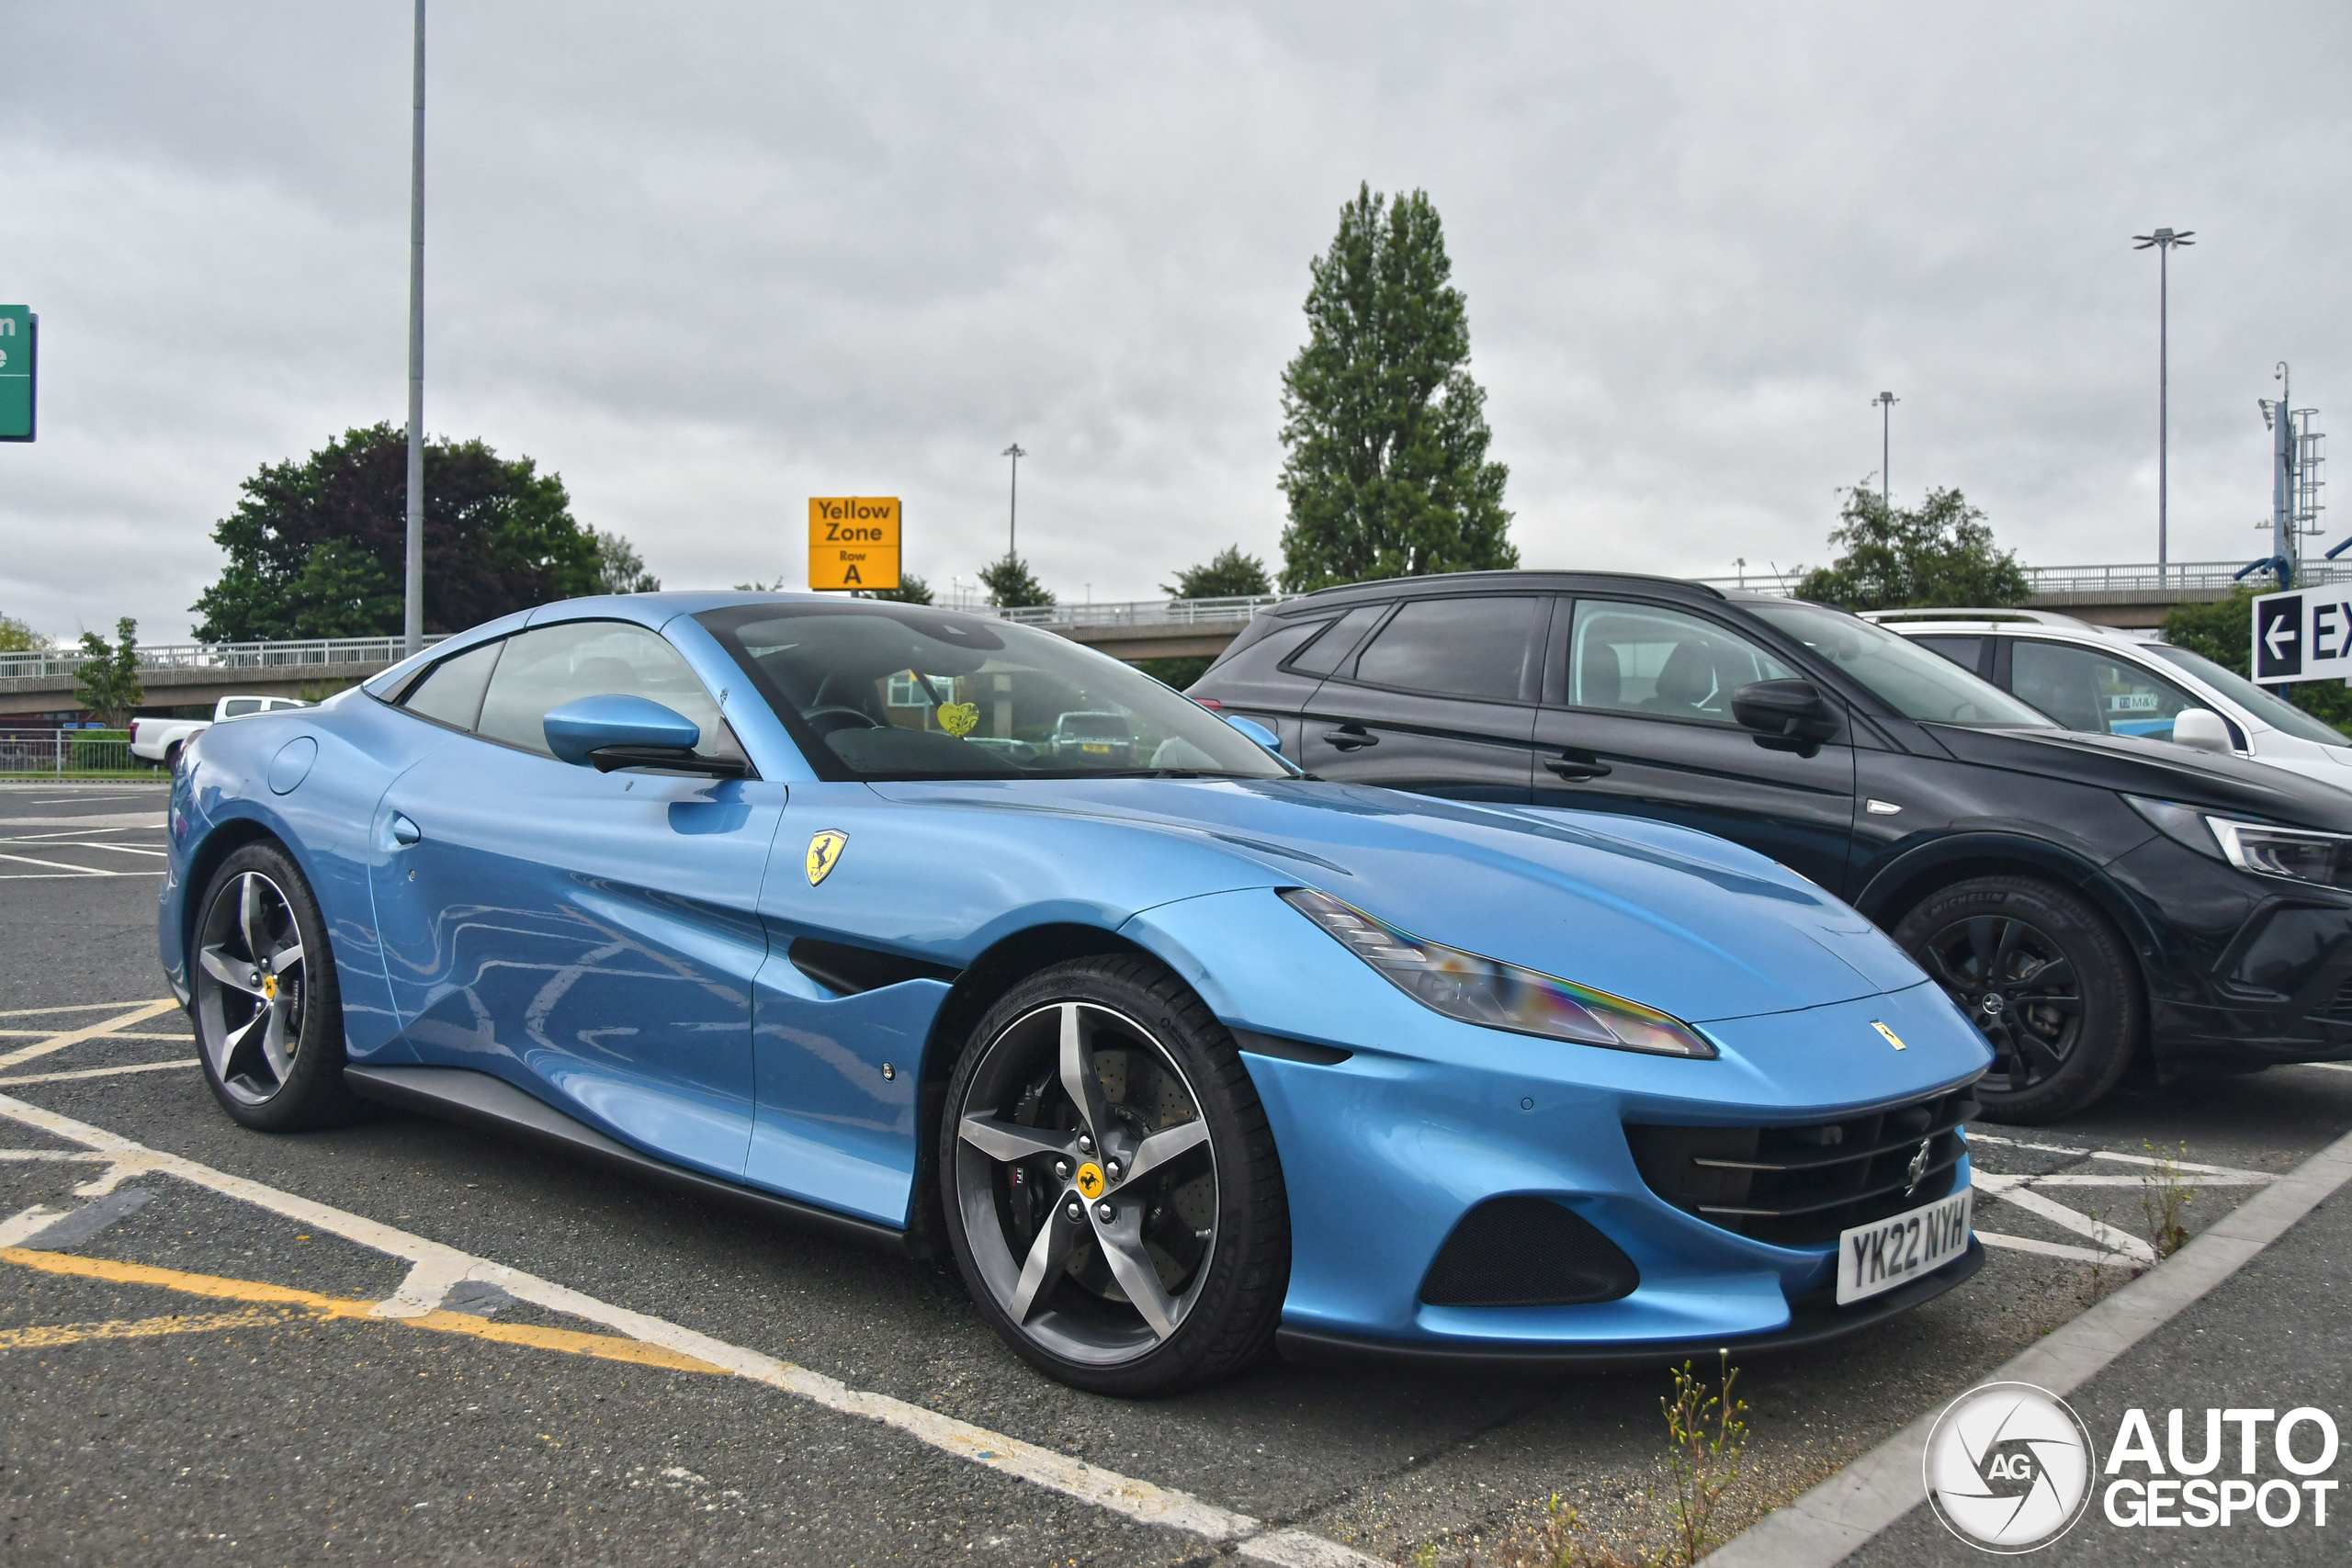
838 967
1527 1252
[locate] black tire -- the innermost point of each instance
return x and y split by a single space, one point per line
267 1013
1164 1068
2048 980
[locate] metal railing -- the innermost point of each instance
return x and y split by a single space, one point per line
2139 577
59 752
320 652
1140 611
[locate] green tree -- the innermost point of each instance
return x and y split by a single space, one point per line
619 569
107 681
1386 473
499 537
1940 553
1228 574
18 637
1010 585
2223 632
911 589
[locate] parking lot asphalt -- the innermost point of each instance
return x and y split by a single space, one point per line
195 1375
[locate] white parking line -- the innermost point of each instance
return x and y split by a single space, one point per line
100 1072
2013 1190
435 1267
2043 1248
1833 1520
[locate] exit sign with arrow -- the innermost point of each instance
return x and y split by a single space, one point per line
2304 635
20 359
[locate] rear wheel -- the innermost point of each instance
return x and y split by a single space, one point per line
2045 978
1112 1191
268 1017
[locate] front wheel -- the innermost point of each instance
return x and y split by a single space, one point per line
268 1016
2045 978
1112 1191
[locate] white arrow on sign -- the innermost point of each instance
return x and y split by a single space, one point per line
2279 628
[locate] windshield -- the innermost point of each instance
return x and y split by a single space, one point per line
1916 682
872 690
2267 706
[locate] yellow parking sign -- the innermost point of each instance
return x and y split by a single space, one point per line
853 541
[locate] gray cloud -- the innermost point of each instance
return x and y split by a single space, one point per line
709 260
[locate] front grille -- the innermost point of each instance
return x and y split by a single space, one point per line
2339 1006
1527 1252
1800 1186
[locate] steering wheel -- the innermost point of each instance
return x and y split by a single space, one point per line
826 720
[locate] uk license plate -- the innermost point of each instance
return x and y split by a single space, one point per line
1887 1253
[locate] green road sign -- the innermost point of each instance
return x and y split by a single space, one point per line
19 344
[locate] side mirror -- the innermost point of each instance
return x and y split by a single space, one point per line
616 731
2201 730
1255 731
1787 716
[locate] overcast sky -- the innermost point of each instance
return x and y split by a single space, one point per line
707 260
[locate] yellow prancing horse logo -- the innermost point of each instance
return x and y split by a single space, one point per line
1892 1038
824 853
1090 1180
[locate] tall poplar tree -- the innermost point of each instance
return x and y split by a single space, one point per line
1386 432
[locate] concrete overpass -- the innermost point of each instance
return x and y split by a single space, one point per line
190 675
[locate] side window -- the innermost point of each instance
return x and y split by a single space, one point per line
1640 659
1454 648
1968 652
2086 690
451 690
238 707
550 666
1327 652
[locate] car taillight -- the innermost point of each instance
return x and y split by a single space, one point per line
1211 703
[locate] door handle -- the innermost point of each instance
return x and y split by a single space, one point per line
405 832
1572 767
1349 738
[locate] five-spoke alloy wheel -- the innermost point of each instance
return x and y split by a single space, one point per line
2046 979
268 1018
1111 1190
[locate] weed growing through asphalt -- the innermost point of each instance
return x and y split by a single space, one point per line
1704 1439
2162 1195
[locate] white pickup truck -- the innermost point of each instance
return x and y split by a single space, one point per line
160 739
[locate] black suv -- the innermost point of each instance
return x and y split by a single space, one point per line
2080 896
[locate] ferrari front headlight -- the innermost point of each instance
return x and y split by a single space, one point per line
1497 995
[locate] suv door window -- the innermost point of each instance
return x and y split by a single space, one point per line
2087 690
546 667
1644 660
1968 652
1327 652
1454 648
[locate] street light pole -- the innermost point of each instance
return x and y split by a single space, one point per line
1885 402
412 615
2163 242
1012 512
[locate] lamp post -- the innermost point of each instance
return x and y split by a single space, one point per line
1885 402
1013 507
412 611
2162 243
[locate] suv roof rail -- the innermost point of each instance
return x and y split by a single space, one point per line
2041 617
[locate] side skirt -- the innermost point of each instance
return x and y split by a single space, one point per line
480 1099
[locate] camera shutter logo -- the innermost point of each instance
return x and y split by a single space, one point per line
2008 1467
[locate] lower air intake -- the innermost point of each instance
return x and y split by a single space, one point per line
1527 1252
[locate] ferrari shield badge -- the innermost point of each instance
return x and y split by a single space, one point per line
824 853
1892 1038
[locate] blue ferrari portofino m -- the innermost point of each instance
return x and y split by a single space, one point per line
952 935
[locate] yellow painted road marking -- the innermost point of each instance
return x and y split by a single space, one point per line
140 1012
71 1007
433 1268
604 1346
139 1328
114 1034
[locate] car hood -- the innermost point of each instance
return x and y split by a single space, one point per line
2158 768
1675 919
